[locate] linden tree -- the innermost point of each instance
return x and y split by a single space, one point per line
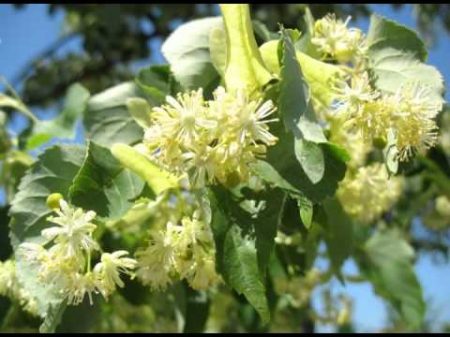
207 189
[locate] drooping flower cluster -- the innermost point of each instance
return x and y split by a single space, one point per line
213 141
66 263
10 287
180 245
334 39
368 193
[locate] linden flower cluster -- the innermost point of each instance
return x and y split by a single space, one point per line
66 264
9 286
409 114
212 140
333 38
180 246
368 193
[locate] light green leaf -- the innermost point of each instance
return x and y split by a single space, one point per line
218 49
384 33
306 211
158 179
140 110
9 102
187 51
245 68
311 157
107 120
387 264
63 126
395 56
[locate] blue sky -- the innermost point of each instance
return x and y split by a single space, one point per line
25 33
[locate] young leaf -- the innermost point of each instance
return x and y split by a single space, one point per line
245 68
158 179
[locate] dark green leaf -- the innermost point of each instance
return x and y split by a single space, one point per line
102 185
338 233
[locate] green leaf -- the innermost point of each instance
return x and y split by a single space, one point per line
289 175
318 75
187 51
107 120
245 68
266 224
311 157
294 100
155 81
241 270
387 264
140 110
338 233
63 126
396 55
384 33
53 172
103 186
158 179
218 49
236 255
53 318
9 102
306 211
197 310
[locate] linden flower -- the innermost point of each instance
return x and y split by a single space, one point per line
80 285
183 116
369 193
156 261
203 272
415 108
352 97
74 230
332 37
9 286
110 267
212 140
